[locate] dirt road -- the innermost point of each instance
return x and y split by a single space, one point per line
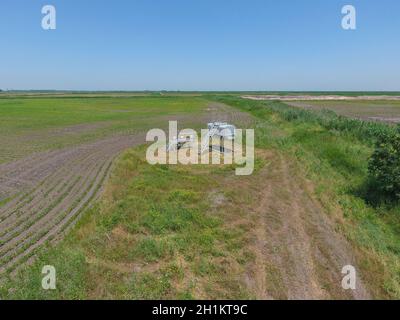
299 255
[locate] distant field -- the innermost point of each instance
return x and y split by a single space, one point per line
132 94
29 125
386 111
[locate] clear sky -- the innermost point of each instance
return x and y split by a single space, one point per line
200 45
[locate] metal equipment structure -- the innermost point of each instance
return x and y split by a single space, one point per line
222 130
178 142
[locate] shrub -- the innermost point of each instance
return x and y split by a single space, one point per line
384 165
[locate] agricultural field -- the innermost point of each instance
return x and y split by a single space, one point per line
56 154
377 110
381 107
77 193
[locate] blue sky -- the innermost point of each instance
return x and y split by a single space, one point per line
200 45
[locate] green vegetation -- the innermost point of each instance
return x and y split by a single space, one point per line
384 167
155 234
334 152
38 124
365 131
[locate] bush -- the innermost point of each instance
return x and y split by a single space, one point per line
384 165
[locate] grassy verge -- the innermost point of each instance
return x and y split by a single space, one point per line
334 152
157 233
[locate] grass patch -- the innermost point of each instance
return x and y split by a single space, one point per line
153 235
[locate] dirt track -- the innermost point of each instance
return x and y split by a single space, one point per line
299 255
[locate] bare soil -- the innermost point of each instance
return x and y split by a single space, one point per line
48 191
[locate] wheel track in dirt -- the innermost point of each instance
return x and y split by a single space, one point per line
49 206
53 190
259 272
50 178
41 221
27 217
296 242
23 174
48 189
47 179
47 221
50 229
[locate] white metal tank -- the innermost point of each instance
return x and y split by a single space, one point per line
223 130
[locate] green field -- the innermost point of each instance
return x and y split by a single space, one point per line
36 124
183 232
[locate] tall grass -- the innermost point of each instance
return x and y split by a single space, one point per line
365 131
